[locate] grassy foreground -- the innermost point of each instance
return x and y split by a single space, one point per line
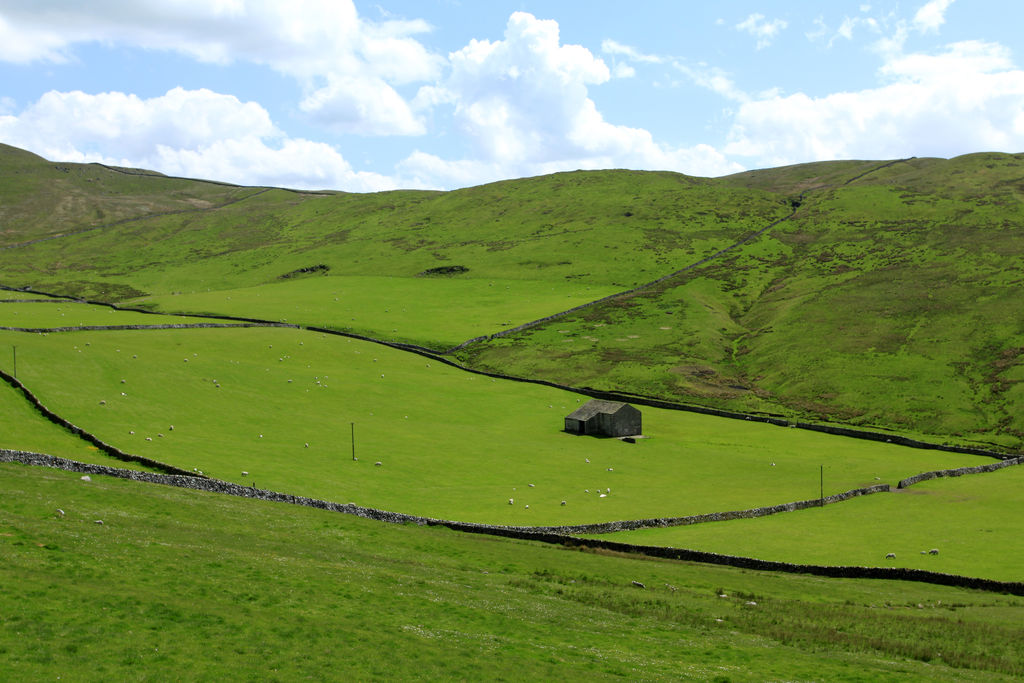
198 586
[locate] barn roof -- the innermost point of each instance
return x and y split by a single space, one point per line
594 407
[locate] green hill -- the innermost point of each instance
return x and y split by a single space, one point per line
886 299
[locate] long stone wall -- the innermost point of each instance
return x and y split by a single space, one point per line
958 472
165 326
82 434
217 486
632 525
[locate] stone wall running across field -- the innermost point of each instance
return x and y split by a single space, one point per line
82 434
216 486
959 472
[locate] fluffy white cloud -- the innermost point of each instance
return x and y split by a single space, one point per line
761 28
968 98
195 133
931 15
346 64
523 104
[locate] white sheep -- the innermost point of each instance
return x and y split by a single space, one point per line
891 556
933 551
511 501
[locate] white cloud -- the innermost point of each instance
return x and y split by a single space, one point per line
713 79
522 103
931 15
966 99
612 47
195 133
761 28
345 63
362 104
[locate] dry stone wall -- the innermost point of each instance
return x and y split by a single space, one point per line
216 486
82 434
958 472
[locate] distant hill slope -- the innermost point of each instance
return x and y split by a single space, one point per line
891 301
40 199
889 297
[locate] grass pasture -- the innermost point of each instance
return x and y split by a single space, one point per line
23 429
50 313
434 312
452 444
212 587
971 520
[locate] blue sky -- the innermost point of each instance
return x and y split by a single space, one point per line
365 96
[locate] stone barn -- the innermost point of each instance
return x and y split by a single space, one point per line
604 418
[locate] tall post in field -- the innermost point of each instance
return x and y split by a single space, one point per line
353 440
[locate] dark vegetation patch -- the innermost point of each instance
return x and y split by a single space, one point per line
440 271
308 270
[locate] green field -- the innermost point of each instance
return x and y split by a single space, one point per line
971 520
434 312
452 445
49 313
208 586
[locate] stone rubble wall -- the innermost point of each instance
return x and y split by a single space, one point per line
527 534
82 434
959 472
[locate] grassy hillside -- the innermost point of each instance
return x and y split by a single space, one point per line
890 301
181 581
41 199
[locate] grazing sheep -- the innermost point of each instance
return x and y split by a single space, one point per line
149 438
933 551
245 474
103 403
60 513
530 485
563 502
891 556
639 585
511 501
378 463
98 521
527 506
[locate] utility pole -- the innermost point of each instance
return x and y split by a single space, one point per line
821 485
353 440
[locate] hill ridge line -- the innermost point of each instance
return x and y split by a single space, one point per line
522 533
123 221
794 203
827 428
